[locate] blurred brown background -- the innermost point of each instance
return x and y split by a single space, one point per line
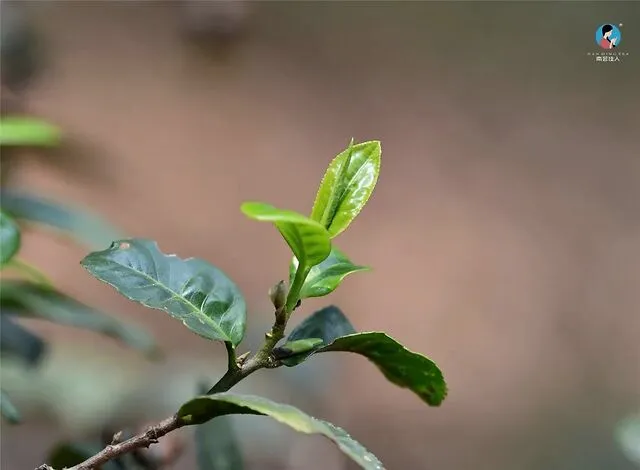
504 232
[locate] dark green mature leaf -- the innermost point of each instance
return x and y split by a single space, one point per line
9 238
325 277
400 366
8 411
86 228
202 409
307 239
346 186
326 324
28 132
40 301
190 290
18 342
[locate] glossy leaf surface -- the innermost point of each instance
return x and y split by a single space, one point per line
399 365
85 227
201 409
37 301
7 409
308 240
28 132
190 290
325 325
9 238
18 342
346 186
325 277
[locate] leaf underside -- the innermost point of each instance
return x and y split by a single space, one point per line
202 409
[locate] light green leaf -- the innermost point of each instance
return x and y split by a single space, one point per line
9 412
9 238
202 409
86 228
28 132
307 239
38 301
400 366
297 348
190 290
325 277
321 328
346 186
18 342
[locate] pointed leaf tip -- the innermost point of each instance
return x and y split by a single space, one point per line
347 186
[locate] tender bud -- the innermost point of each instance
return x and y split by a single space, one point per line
278 295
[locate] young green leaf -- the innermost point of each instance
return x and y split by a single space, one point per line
325 277
28 132
324 325
86 228
9 238
346 186
190 290
307 239
38 301
18 342
8 411
293 349
400 366
202 409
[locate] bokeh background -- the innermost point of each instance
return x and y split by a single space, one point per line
504 232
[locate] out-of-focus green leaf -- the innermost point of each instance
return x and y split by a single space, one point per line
28 132
29 271
69 454
628 436
202 409
325 277
217 445
9 412
18 342
9 238
42 302
190 290
347 186
84 227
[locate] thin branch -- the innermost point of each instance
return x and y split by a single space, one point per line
236 372
145 439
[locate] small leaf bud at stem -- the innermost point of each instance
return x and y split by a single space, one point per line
278 295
